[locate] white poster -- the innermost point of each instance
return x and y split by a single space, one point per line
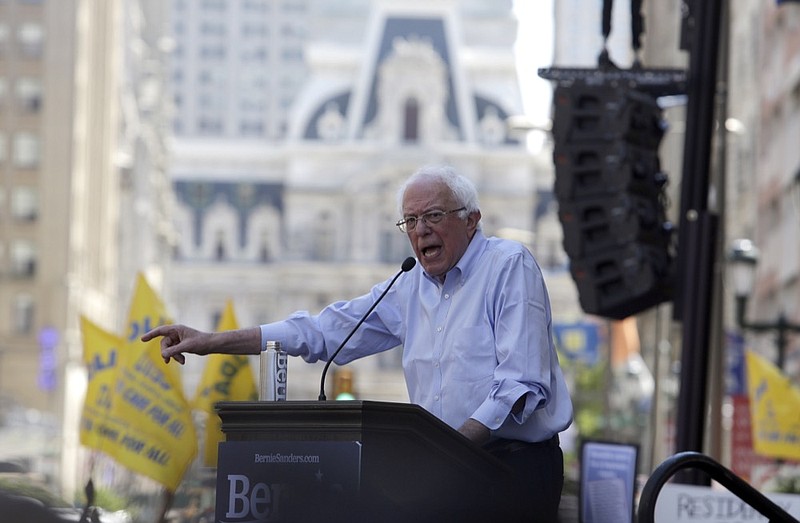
690 503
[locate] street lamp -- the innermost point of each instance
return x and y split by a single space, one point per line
743 257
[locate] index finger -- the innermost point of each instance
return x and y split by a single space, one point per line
161 330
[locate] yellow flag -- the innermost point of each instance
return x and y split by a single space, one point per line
101 351
102 427
150 395
774 410
225 378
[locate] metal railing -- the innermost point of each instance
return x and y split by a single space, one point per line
729 480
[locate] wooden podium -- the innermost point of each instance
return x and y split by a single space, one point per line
354 461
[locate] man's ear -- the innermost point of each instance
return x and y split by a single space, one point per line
472 220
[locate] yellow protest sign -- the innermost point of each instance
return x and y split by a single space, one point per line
102 427
149 394
98 429
774 408
225 378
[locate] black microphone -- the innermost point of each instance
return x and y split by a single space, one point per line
408 264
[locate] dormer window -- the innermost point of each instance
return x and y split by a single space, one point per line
411 120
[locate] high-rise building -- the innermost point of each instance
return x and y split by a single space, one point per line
237 66
81 154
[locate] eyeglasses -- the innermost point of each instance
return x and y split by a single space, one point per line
409 223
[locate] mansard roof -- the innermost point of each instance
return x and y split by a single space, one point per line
410 52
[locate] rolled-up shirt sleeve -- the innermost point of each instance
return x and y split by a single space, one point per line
523 344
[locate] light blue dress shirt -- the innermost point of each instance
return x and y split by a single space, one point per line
471 346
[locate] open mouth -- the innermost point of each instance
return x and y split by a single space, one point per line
432 251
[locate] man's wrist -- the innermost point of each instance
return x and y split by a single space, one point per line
475 431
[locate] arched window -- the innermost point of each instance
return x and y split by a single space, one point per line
220 236
263 247
411 120
324 245
263 235
219 248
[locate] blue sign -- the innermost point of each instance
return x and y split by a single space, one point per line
608 474
578 341
735 384
48 340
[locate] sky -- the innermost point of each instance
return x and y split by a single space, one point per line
534 49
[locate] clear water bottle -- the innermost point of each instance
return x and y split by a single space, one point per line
273 373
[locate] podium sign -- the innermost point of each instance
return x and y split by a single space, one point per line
344 461
284 480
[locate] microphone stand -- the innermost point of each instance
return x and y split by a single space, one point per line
408 264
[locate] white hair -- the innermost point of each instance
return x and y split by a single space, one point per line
462 188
